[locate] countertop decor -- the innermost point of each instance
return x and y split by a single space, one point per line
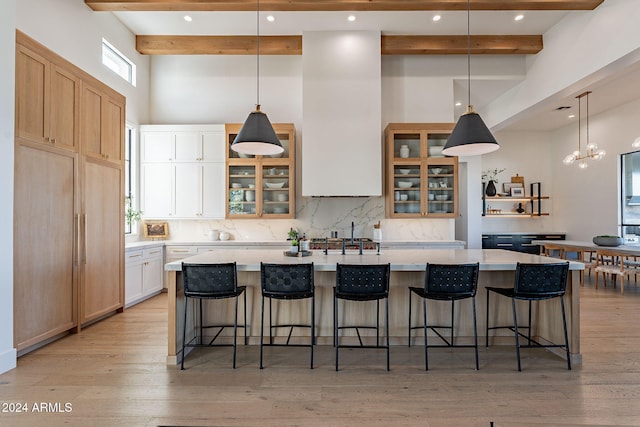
608 240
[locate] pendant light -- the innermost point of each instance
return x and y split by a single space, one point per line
470 136
257 136
592 152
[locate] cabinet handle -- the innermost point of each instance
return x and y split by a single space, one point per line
154 252
180 250
134 256
77 252
505 244
53 140
84 239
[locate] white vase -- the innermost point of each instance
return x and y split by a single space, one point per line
293 249
404 151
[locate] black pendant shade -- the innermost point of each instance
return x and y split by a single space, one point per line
470 137
257 136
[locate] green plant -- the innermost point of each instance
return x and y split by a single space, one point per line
293 236
492 174
131 215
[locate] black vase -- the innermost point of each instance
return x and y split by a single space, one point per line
491 189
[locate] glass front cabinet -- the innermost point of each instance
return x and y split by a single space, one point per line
420 181
261 186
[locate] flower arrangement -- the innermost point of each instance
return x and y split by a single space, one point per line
492 175
131 215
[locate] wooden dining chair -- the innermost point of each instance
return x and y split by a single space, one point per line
621 265
552 250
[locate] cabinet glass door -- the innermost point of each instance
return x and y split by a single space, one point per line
407 189
441 183
406 146
242 190
276 190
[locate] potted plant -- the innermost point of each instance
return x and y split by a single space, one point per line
131 215
293 238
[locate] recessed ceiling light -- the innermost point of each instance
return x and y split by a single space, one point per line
188 18
519 17
458 104
271 18
436 18
351 18
571 116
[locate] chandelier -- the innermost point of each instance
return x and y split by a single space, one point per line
591 149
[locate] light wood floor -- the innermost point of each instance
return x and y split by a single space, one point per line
114 374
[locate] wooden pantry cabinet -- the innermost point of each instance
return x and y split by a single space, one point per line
261 186
68 202
420 181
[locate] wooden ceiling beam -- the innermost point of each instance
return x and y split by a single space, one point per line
457 45
337 5
218 45
292 45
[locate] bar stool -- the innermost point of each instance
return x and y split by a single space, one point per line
534 282
287 282
362 283
446 282
211 281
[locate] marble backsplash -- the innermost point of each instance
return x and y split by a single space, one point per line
318 217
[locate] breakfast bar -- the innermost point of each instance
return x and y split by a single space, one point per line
407 269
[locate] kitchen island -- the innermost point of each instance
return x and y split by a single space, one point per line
407 268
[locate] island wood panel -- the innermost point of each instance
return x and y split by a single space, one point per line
45 251
547 317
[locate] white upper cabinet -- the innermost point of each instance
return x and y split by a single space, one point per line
182 171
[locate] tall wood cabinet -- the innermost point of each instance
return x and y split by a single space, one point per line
420 181
69 197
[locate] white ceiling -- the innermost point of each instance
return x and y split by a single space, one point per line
607 93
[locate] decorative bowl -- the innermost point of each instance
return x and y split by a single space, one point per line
436 170
404 171
608 240
236 185
405 184
275 184
436 150
442 197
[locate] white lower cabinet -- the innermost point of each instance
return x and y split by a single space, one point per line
143 274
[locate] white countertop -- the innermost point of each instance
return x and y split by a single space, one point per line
400 260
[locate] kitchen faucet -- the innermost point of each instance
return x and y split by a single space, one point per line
352 228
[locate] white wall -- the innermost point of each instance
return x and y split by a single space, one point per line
586 201
7 102
527 154
72 30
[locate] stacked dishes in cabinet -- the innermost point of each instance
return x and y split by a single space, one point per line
242 193
276 190
407 189
440 180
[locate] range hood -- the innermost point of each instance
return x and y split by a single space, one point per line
341 112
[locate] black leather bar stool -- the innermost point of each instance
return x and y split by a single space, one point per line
287 282
446 282
362 283
206 282
534 282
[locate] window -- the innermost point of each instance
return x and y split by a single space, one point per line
630 195
118 63
130 173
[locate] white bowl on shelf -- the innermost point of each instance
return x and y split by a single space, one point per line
404 171
279 210
442 197
405 184
436 171
236 185
275 184
436 150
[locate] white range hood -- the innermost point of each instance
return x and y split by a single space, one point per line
341 111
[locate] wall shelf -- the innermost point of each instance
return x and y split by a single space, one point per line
535 201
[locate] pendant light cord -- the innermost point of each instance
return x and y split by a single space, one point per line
258 54
579 124
469 52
